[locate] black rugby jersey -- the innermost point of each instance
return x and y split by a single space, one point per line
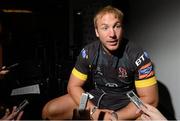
115 74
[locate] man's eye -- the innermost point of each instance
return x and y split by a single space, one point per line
104 28
118 26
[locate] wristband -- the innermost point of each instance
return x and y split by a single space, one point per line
93 110
114 115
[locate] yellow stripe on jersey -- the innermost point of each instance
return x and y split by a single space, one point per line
78 74
146 82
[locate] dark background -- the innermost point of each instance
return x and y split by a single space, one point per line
46 43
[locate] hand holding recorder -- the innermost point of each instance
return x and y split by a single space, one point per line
81 113
16 113
12 115
149 112
4 70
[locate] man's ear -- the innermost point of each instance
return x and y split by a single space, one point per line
97 33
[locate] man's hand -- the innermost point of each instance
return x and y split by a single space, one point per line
107 115
94 113
112 116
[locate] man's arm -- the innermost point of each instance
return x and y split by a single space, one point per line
75 90
147 94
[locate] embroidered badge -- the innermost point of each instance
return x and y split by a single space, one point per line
84 53
122 72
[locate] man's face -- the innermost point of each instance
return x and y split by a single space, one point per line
109 30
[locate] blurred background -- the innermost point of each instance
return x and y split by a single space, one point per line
45 37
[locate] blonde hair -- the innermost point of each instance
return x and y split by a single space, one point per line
108 9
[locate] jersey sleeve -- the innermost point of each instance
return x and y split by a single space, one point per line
144 70
81 68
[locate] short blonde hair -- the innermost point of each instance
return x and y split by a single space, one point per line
108 9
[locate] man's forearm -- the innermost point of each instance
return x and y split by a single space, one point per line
128 112
75 93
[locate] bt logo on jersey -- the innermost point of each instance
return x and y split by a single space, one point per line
139 60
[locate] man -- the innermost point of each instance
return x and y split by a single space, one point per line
116 66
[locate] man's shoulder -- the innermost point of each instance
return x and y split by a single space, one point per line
91 50
92 47
130 43
132 46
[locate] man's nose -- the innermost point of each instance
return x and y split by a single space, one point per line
112 33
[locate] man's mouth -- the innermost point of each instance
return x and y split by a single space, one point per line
112 43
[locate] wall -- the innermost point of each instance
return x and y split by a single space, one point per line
0 46
155 25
